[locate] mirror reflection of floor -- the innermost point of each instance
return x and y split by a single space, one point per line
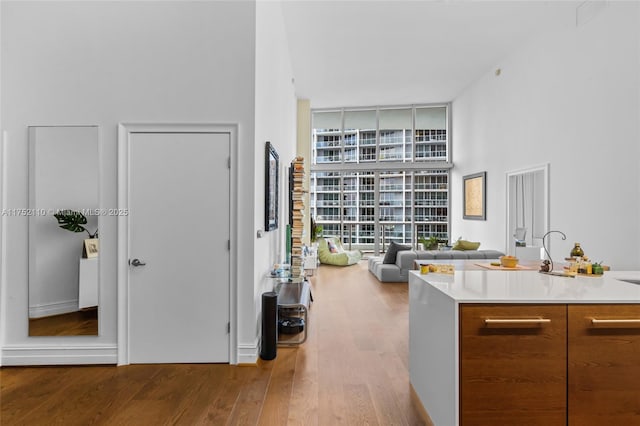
79 323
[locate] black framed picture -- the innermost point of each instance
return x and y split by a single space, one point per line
271 185
474 196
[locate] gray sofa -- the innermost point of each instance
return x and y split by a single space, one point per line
399 271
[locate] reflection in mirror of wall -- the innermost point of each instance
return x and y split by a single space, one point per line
528 211
63 227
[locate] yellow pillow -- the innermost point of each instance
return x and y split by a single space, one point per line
465 245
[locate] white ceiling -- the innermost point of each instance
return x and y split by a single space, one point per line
364 53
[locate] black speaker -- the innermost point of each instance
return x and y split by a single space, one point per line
269 344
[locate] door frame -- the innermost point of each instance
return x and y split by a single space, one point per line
545 169
125 130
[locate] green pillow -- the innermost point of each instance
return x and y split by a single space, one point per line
465 245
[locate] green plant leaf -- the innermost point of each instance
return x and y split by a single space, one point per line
71 220
429 244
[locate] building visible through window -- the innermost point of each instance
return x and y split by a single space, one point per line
381 174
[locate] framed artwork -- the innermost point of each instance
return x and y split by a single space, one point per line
271 185
90 248
474 203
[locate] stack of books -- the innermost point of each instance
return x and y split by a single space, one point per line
297 217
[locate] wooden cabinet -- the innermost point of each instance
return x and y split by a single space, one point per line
513 364
550 364
562 361
604 364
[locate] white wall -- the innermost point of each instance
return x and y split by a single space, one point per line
104 63
572 99
275 122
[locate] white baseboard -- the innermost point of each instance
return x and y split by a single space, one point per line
57 308
59 355
15 355
248 352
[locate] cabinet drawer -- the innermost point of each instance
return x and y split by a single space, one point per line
604 364
513 364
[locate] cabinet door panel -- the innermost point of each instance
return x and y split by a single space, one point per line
604 365
513 372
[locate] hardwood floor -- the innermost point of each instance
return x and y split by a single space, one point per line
352 370
79 323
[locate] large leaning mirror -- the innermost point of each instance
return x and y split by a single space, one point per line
527 211
63 230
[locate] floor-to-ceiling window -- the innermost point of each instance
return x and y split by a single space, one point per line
381 174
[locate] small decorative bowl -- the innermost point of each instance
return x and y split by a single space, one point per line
508 262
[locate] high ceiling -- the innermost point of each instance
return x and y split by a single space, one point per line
364 53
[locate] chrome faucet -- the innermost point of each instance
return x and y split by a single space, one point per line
547 265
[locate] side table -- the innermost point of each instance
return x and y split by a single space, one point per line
295 296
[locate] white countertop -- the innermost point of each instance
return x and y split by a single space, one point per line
492 286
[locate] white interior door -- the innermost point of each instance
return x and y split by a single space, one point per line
179 232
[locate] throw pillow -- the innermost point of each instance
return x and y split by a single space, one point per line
332 246
392 252
465 245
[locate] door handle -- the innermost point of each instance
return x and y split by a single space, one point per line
136 262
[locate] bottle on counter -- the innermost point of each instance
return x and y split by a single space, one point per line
581 266
573 266
577 251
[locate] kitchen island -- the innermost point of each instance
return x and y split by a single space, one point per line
520 347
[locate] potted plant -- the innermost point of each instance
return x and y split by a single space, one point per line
74 221
430 243
316 231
